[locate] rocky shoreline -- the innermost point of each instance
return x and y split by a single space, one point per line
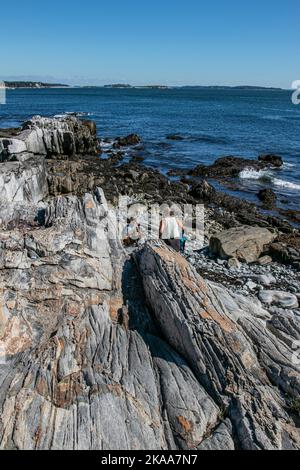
107 348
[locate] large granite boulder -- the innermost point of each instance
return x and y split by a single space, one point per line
244 242
63 136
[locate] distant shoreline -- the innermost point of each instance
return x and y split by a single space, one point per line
11 85
192 87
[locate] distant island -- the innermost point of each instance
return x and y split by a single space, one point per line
192 87
118 85
224 87
151 87
21 84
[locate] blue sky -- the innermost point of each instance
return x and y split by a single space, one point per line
147 42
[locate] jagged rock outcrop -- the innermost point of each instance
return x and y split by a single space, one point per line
237 352
63 136
75 373
23 182
86 365
102 351
23 187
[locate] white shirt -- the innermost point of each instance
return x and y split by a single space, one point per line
171 229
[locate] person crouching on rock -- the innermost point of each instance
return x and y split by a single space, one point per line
132 232
170 230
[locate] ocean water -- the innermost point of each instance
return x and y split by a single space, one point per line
213 123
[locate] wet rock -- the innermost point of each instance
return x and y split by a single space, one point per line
268 197
231 167
203 191
271 160
237 211
132 139
293 215
223 167
177 172
244 242
174 137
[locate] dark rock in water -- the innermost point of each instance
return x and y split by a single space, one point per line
137 158
177 172
224 167
237 210
291 214
231 167
175 137
268 197
132 139
244 211
271 160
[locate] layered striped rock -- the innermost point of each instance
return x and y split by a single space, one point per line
244 359
58 137
82 363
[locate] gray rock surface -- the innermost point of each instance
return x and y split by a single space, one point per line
226 341
245 243
60 136
83 363
99 350
74 374
23 182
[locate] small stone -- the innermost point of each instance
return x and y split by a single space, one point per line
266 279
234 263
221 262
264 260
251 285
11 304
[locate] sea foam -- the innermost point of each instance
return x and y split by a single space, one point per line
264 175
251 174
286 184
